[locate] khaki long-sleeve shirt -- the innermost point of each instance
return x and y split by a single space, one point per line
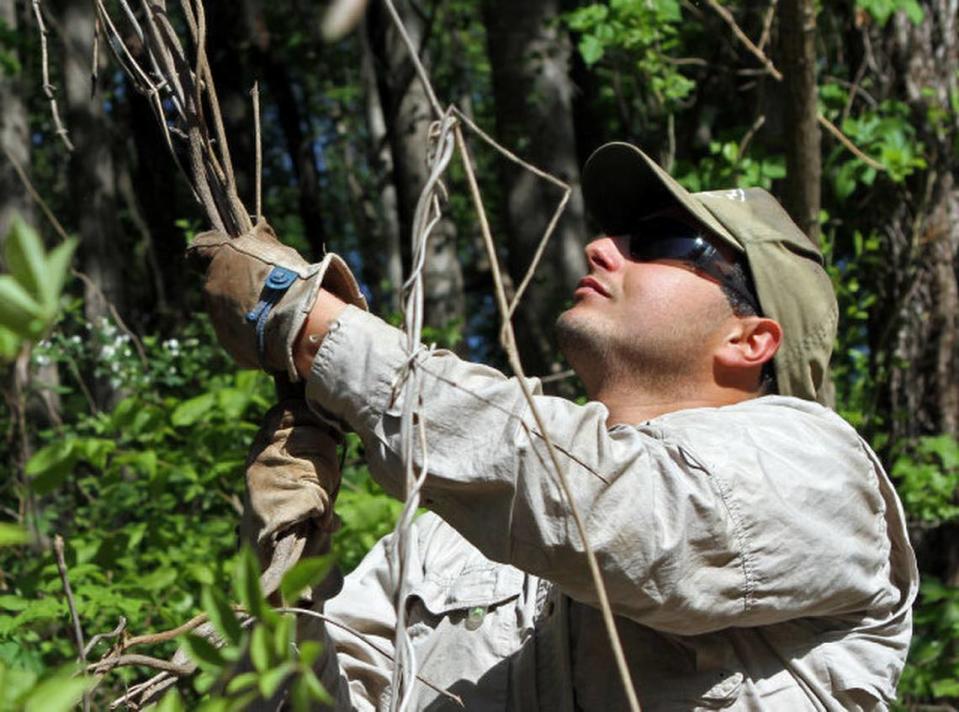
755 555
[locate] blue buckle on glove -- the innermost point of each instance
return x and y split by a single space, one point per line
277 283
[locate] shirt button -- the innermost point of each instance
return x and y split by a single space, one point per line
475 617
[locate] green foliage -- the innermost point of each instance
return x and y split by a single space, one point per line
933 669
25 691
885 133
725 167
152 490
9 64
637 37
30 292
266 643
928 479
882 10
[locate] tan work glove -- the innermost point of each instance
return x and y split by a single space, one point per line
292 478
259 292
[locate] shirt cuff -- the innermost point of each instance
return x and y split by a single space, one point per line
354 370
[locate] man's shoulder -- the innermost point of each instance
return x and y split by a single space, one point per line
777 437
769 421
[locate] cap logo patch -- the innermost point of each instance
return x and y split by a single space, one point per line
737 194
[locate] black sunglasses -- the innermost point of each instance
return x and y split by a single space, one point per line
662 238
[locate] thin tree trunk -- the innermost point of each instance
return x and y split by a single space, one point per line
14 133
530 61
386 259
797 31
91 177
408 117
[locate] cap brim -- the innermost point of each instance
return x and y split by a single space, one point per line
622 185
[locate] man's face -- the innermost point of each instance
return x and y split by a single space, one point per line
658 321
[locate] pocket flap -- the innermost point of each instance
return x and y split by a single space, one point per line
486 586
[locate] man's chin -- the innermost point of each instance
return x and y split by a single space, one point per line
579 337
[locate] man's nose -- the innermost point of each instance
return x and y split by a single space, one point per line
604 253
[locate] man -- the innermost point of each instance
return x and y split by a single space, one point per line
754 551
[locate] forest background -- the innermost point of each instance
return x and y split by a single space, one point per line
127 427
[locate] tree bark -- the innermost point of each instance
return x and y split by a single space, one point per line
922 235
383 263
408 117
92 182
14 134
530 61
797 31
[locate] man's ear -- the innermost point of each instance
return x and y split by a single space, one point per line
750 342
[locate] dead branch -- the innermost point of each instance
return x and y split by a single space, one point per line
121 626
72 605
742 37
49 89
845 141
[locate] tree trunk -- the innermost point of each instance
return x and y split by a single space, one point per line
408 117
384 262
530 61
293 122
916 323
797 31
91 178
923 234
14 133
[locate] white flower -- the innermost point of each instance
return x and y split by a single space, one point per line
42 360
107 351
75 339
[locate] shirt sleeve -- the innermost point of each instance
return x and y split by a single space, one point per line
672 543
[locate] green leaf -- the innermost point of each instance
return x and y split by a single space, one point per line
51 464
242 682
160 579
232 401
57 270
248 585
271 680
12 534
310 651
203 652
171 702
304 574
9 344
59 693
591 47
283 637
316 689
24 254
190 411
260 648
221 615
19 312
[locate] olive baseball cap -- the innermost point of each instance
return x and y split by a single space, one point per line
622 185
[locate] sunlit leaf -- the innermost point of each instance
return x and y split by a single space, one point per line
260 648
19 312
191 411
203 652
304 574
50 465
221 615
24 254
59 693
271 680
12 534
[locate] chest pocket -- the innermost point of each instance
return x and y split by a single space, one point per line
475 607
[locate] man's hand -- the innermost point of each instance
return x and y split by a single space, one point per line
292 478
259 293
